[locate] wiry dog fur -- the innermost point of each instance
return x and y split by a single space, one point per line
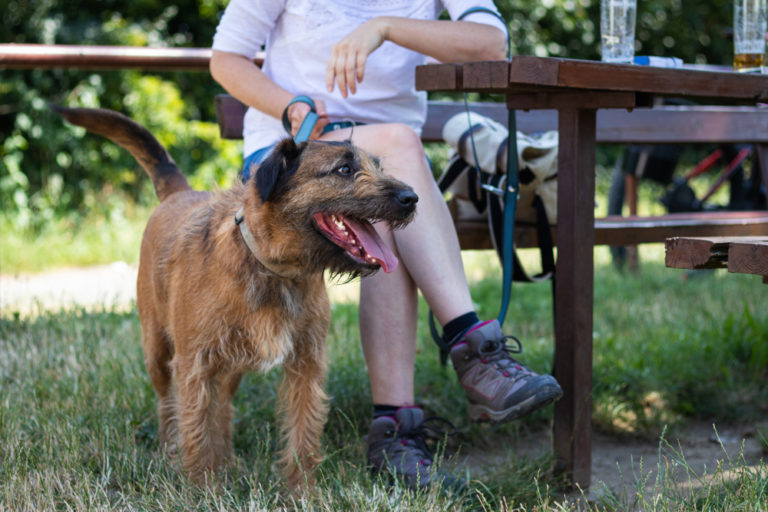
212 309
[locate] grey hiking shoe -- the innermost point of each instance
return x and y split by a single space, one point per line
499 388
397 445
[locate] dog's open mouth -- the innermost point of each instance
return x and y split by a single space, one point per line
358 238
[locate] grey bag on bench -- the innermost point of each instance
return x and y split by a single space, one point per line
481 140
537 157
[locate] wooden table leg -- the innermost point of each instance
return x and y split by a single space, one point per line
574 293
762 162
630 192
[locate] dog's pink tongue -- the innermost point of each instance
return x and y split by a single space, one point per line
373 245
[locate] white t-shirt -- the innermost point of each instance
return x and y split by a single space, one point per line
298 35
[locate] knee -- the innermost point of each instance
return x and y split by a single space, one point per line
400 138
401 151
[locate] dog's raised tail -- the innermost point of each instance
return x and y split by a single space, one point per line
144 147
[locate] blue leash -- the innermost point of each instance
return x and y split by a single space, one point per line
509 193
510 205
307 125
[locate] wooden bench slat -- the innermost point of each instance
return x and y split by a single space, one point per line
696 253
616 230
739 254
749 257
229 114
659 125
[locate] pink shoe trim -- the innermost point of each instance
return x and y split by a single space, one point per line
476 327
461 344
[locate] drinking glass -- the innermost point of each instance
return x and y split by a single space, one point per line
749 26
617 30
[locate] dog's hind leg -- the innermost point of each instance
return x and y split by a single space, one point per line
227 390
303 412
158 353
202 443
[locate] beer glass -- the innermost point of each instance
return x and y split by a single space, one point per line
749 26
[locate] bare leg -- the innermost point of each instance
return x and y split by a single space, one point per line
388 315
430 260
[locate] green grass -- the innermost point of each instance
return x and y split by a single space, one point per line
77 413
72 242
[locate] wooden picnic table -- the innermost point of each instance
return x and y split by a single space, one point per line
577 89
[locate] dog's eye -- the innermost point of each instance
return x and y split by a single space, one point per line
344 170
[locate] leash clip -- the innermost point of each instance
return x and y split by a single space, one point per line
493 190
498 190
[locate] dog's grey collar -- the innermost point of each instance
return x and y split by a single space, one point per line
250 241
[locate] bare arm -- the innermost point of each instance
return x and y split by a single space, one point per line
446 41
245 81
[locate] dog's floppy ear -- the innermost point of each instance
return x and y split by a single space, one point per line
279 162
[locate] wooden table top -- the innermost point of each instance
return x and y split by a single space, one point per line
527 73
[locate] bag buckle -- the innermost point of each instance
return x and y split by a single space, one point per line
497 190
493 190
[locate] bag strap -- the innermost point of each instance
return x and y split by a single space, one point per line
543 234
459 165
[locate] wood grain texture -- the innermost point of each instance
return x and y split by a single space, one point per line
740 254
695 253
684 82
574 290
438 77
662 125
556 99
581 74
52 56
616 230
749 256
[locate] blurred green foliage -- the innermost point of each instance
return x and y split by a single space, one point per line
697 32
49 169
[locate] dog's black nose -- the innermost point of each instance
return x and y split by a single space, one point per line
407 198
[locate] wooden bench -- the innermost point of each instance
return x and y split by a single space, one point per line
660 125
742 254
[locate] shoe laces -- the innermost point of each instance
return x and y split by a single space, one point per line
500 353
416 436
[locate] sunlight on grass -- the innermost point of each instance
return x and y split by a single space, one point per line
78 425
64 243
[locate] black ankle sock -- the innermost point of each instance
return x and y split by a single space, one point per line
380 410
458 325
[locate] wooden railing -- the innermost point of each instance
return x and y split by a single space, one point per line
47 56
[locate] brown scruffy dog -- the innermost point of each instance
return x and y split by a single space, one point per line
232 281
